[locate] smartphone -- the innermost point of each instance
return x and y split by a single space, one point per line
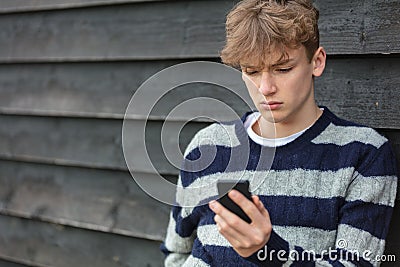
224 186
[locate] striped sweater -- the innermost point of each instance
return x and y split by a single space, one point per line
330 190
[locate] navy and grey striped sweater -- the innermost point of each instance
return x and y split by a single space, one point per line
335 182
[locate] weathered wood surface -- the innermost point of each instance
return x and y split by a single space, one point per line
368 89
104 91
101 200
5 263
86 89
44 244
96 143
178 29
360 27
12 6
66 197
85 142
364 90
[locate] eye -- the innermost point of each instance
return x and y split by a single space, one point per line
250 72
284 70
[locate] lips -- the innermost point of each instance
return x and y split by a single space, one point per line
271 105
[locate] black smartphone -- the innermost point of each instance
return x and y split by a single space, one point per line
224 186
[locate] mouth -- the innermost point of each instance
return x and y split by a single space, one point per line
270 105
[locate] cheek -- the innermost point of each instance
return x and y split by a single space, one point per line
299 83
251 85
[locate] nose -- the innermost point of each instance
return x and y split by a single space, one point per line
267 85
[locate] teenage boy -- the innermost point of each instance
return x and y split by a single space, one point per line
328 197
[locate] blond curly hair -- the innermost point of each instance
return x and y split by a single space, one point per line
254 28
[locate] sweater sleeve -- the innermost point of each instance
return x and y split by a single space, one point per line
363 223
181 231
180 237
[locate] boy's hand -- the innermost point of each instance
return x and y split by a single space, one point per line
245 238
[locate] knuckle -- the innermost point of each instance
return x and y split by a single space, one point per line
268 229
216 218
234 222
223 227
246 244
223 230
258 240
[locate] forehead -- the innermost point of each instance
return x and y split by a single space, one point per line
274 57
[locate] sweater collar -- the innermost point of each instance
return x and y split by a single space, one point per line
323 121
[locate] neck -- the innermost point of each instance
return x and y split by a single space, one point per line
302 120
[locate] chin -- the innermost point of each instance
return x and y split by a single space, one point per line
268 117
272 116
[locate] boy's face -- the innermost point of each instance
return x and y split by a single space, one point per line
283 91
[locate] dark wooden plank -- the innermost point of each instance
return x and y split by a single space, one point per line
12 6
178 29
102 200
103 91
359 27
44 244
5 263
86 142
105 88
364 90
97 143
368 89
392 241
62 140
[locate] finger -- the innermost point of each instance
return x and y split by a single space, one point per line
240 234
257 202
261 207
235 238
247 206
228 216
216 207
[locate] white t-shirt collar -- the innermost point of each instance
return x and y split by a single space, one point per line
269 142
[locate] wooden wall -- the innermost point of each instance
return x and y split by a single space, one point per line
68 69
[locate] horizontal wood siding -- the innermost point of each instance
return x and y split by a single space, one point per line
359 27
5 263
57 245
364 89
178 29
13 6
173 29
97 143
68 69
94 199
368 89
91 143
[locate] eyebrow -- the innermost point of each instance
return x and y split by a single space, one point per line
279 63
283 62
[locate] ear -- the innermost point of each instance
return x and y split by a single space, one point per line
319 61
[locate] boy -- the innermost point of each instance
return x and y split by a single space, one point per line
328 196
